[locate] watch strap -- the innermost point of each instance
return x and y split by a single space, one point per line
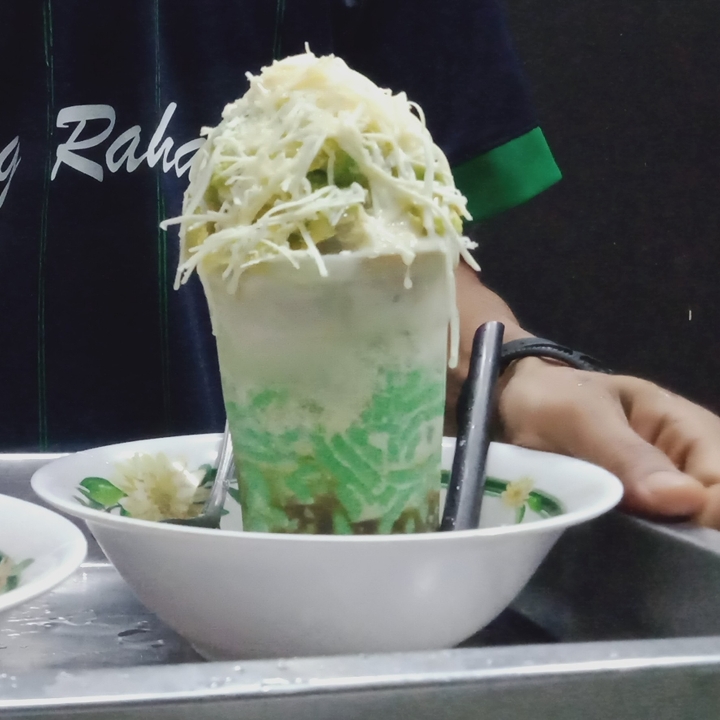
539 347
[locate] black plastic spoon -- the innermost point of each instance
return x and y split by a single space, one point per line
476 406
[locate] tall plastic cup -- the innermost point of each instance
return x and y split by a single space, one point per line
335 389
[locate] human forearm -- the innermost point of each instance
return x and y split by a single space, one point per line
478 304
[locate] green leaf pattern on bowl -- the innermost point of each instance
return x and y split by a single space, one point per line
10 572
538 502
100 494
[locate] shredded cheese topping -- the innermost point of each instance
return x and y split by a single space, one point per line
316 159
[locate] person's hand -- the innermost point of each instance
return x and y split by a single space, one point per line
665 449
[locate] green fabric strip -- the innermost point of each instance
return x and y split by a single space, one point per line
162 253
43 441
508 175
279 19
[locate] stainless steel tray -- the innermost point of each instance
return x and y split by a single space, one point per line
621 621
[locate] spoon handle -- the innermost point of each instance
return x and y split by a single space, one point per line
225 464
467 481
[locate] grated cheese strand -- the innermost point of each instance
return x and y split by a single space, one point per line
316 153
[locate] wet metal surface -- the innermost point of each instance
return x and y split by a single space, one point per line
621 621
91 621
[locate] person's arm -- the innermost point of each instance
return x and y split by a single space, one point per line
665 449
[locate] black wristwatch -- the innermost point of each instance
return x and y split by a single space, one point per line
535 347
539 347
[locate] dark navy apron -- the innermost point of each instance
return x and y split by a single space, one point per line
100 109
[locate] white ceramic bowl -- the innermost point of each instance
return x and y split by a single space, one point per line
48 548
247 595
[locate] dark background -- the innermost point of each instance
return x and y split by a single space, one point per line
618 257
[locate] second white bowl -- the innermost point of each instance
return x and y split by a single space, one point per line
43 547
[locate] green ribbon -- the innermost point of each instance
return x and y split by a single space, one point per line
508 175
